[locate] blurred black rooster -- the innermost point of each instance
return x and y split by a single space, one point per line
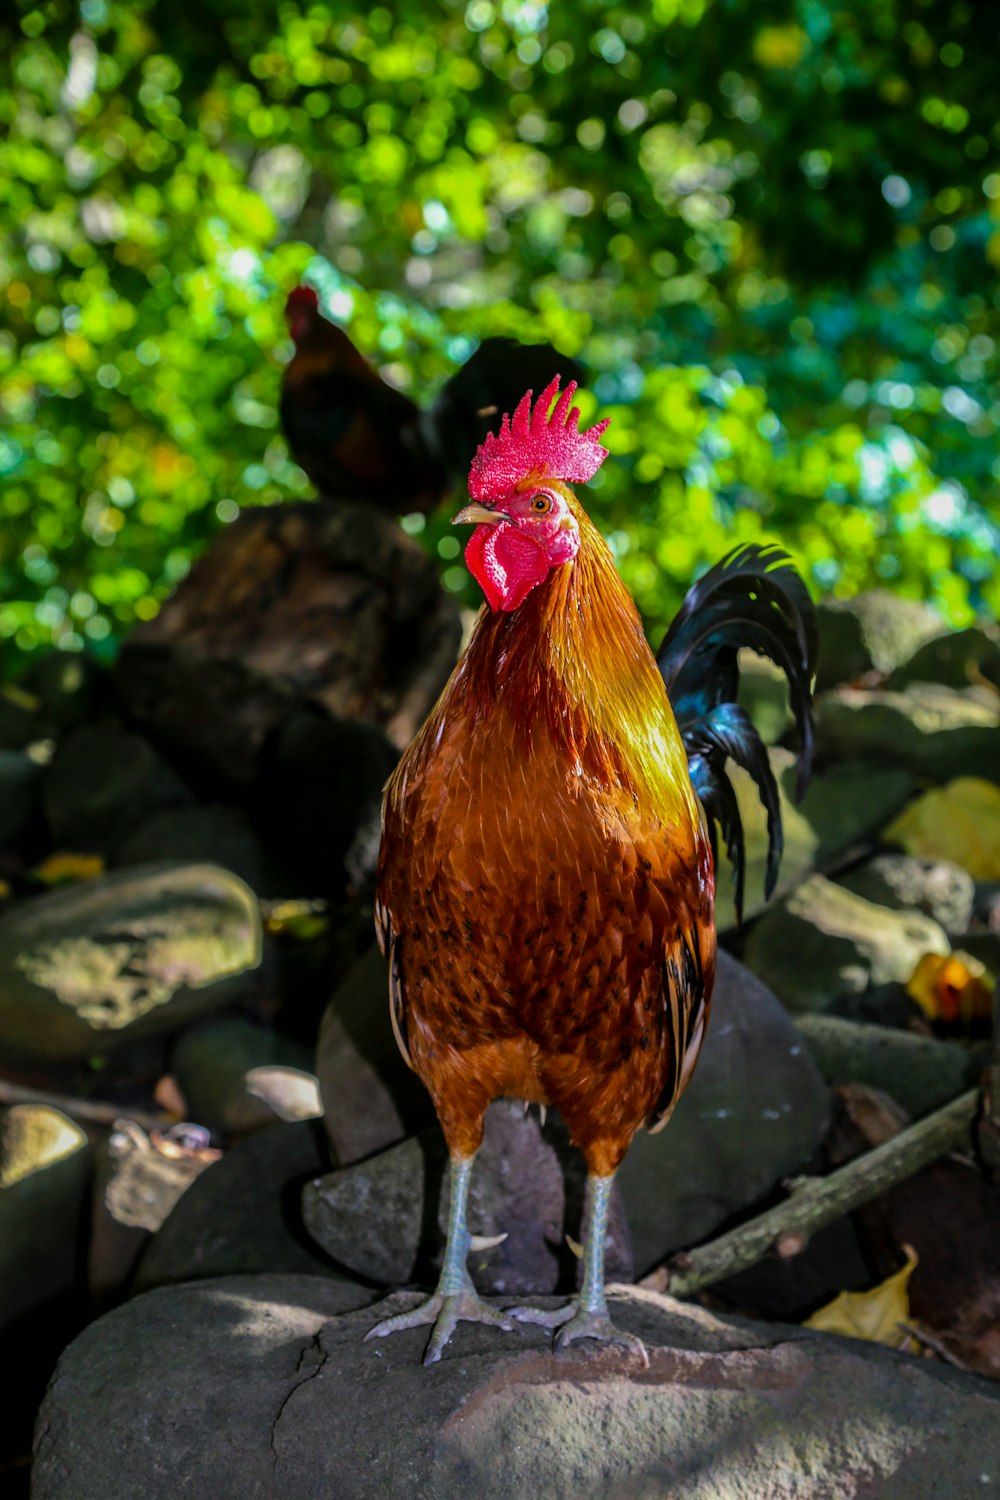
359 438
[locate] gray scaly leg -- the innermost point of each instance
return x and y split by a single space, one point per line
456 1299
586 1317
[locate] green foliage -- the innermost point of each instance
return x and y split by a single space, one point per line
771 233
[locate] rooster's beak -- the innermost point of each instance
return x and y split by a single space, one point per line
475 515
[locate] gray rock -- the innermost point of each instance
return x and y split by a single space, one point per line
986 909
320 781
212 1062
755 1112
825 949
960 659
20 721
102 781
905 883
221 835
874 631
934 731
44 1170
315 602
71 687
763 692
243 1213
371 1099
135 953
139 1182
20 771
264 1387
920 1072
846 804
385 1218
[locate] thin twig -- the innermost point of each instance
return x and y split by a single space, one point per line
92 1110
922 1336
815 1202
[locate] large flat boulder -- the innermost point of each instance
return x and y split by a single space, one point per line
257 1387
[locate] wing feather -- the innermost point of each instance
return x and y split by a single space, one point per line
685 1005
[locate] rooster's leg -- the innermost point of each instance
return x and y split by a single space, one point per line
456 1299
586 1317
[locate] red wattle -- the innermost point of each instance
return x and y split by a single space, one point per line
506 564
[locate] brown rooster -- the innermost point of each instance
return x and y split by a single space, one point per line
358 437
546 876
352 433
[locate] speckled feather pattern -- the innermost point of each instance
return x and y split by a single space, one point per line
545 875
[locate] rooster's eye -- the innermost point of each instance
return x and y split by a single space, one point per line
541 504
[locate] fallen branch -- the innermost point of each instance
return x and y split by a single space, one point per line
93 1111
815 1202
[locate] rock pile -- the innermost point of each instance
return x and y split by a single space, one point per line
219 783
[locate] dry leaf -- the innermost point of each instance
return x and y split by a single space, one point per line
66 866
952 987
302 920
874 1315
959 822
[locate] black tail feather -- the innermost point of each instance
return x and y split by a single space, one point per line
755 598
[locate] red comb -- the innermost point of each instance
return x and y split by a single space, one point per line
302 296
533 440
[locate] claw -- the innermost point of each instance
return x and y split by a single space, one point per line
575 1246
574 1323
485 1241
445 1312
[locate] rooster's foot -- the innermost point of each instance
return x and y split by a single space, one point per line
574 1322
445 1311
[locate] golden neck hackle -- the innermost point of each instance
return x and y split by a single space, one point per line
572 661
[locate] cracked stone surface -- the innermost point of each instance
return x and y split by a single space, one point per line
248 1388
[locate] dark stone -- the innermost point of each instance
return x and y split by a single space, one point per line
102 782
934 731
754 1112
317 602
20 771
211 1063
903 882
961 659
824 949
920 1072
371 1098
873 632
72 687
385 1218
221 835
319 781
243 1213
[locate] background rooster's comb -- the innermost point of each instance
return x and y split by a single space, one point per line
532 440
302 296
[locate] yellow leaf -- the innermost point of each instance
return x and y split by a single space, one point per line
952 987
874 1315
960 822
65 866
